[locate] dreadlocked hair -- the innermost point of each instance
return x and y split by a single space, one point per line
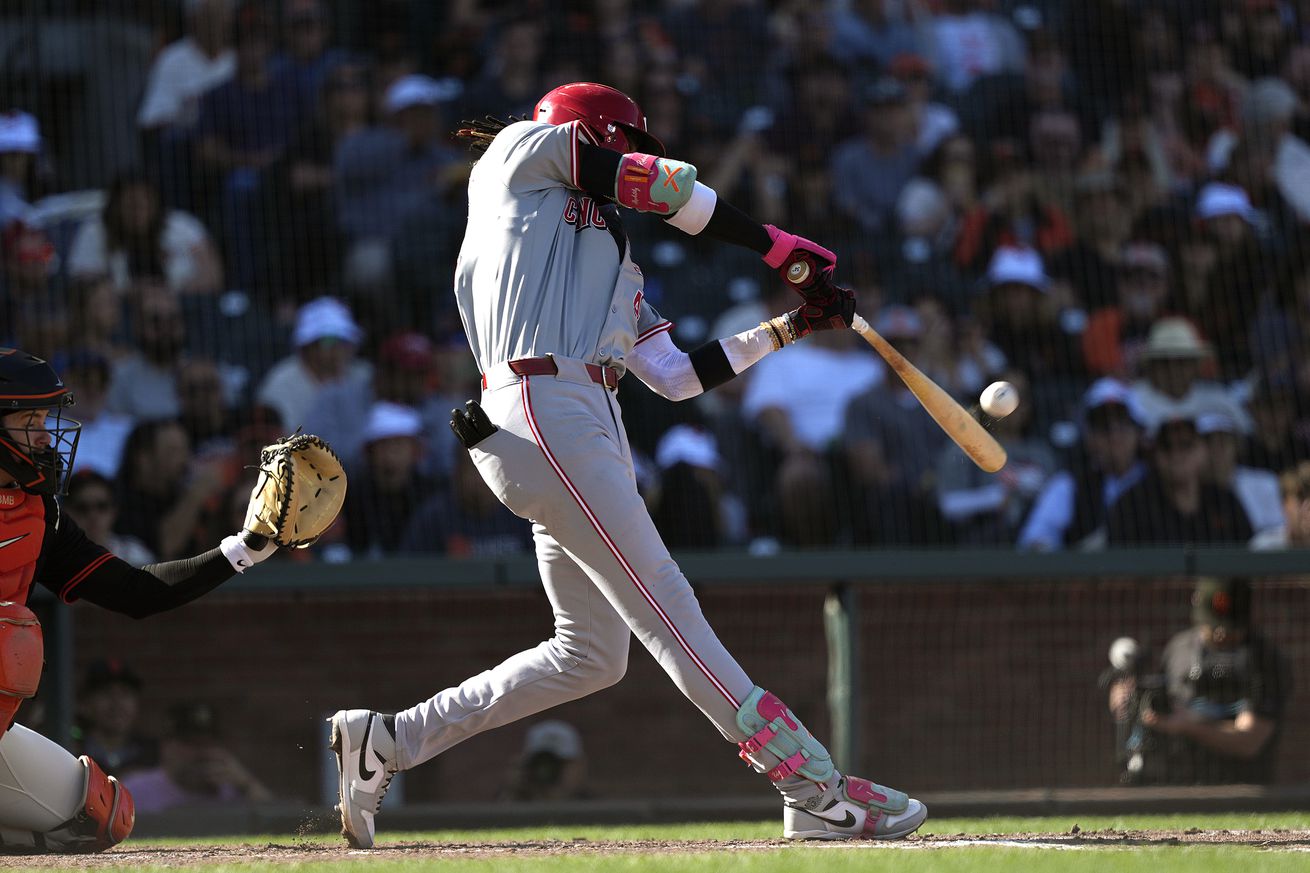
482 131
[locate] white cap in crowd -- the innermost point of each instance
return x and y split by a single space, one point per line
559 738
1218 422
1108 390
417 90
685 444
1016 266
390 420
1174 338
19 132
1219 198
323 318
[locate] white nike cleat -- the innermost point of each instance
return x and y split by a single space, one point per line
366 761
856 810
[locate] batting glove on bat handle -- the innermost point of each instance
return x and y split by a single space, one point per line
834 312
471 425
805 264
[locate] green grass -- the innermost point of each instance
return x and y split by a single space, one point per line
783 859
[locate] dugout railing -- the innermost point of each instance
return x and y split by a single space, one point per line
979 667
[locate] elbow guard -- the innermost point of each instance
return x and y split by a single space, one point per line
647 183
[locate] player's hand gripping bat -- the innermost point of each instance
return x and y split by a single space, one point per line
981 447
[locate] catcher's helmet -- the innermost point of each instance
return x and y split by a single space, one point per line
604 110
28 382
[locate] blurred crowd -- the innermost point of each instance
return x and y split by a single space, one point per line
225 220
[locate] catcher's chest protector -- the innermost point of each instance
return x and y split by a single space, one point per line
22 530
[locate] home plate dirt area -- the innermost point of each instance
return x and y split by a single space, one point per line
291 852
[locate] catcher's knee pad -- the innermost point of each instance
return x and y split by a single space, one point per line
105 819
772 728
21 651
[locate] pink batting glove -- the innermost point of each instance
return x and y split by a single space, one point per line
788 248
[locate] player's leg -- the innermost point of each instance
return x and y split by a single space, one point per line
51 801
602 522
588 652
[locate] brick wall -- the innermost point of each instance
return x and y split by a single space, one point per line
965 685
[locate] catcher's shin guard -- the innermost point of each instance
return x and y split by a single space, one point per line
773 729
105 819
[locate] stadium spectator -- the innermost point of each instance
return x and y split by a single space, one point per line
1021 315
144 384
406 373
987 509
20 144
307 55
465 519
1172 365
1219 717
1278 441
388 488
104 433
310 241
970 42
510 81
1012 212
932 122
195 768
1256 489
136 238
326 338
386 176
161 497
868 34
245 126
1116 334
97 319
688 503
93 504
1239 281
1101 215
891 446
1174 504
874 166
187 69
1070 512
552 765
203 408
1294 491
108 728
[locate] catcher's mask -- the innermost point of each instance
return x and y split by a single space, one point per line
29 383
606 111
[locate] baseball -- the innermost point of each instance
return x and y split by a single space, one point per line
999 399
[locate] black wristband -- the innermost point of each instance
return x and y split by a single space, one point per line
711 365
597 169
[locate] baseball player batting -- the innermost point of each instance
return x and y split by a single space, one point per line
51 801
552 305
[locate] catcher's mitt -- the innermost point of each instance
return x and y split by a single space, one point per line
300 490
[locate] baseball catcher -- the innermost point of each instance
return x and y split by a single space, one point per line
51 801
554 311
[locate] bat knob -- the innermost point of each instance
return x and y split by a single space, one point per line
798 272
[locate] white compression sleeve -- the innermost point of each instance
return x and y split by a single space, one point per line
668 370
664 367
693 217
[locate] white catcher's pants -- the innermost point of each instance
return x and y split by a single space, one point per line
41 784
561 458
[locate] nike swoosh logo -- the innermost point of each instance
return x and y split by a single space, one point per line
366 774
848 822
12 540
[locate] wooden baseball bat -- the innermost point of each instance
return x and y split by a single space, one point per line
981 447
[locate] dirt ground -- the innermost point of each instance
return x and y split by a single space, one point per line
293 852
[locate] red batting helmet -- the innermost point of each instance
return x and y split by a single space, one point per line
604 110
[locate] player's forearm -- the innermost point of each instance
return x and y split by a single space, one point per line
1226 738
678 375
118 586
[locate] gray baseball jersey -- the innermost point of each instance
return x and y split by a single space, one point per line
541 270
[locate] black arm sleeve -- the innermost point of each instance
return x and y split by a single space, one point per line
711 365
77 568
729 224
598 168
